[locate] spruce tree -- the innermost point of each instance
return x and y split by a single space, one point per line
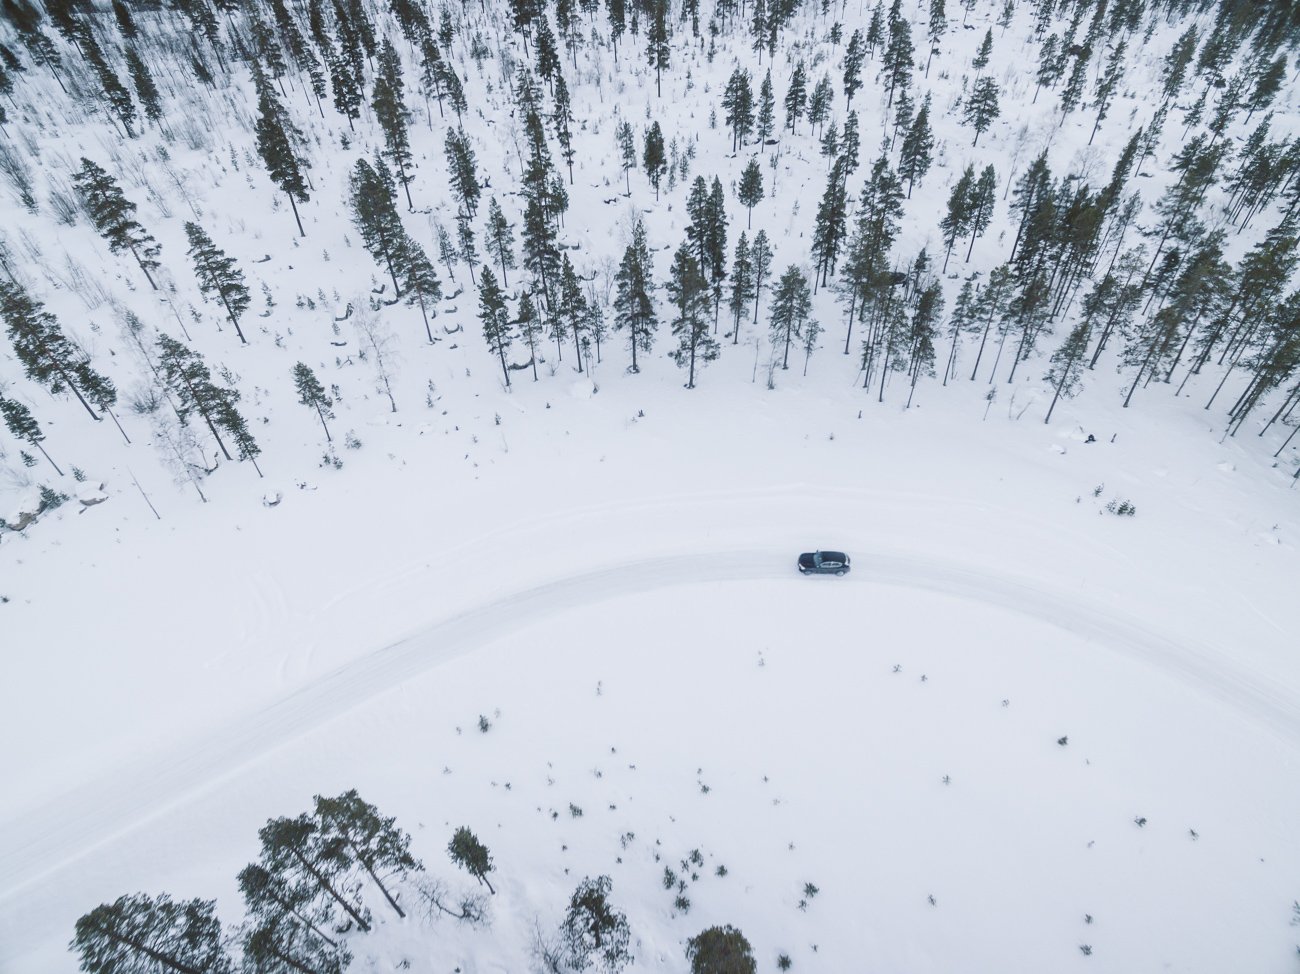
218 276
819 102
652 158
312 395
141 933
23 426
634 308
896 65
47 356
499 240
125 22
497 331
274 130
981 59
112 215
738 103
687 289
716 242
924 330
465 246
791 305
345 85
471 855
115 93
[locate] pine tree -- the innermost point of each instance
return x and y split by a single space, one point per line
312 395
938 24
461 170
112 215
720 950
915 154
982 197
924 330
1050 66
854 55
796 97
760 255
1108 85
465 246
141 933
957 221
218 276
819 102
982 107
716 242
627 150
617 10
563 119
1266 82
791 305
187 377
738 102
23 426
298 853
115 93
282 164
875 30
634 307
419 279
284 947
1176 63
370 192
496 322
499 240
981 59
570 312
688 291
529 324
742 285
657 49
592 926
390 111
271 899
145 88
358 835
1074 85
47 356
766 110
652 158
471 855
345 85
828 233
125 22
548 55
897 62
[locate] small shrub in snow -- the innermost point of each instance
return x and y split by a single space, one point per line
670 878
682 904
721 871
484 724
574 810
1140 821
351 441
783 962
810 891
1063 740
1085 949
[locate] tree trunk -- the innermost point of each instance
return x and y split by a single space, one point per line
47 457
171 963
325 885
297 218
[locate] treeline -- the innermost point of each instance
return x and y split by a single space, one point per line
1093 274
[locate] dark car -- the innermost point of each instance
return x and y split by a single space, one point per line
823 563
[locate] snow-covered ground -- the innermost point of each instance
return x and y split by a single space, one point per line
606 572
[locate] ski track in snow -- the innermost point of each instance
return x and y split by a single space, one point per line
51 838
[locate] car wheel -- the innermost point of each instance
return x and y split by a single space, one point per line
840 572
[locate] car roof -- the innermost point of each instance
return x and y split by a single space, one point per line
833 556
